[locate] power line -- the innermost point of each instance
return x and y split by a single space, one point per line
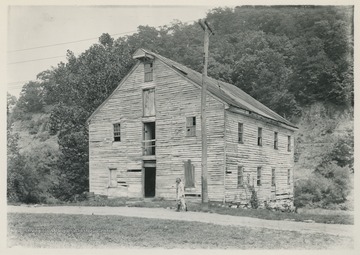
31 60
51 45
15 82
88 39
56 44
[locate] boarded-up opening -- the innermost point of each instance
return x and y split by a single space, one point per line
113 177
149 181
149 102
189 174
273 180
149 142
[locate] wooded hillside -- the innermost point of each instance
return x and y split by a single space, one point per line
292 59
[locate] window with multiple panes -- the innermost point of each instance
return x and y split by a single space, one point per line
240 132
259 139
276 140
258 177
273 177
289 143
189 174
288 177
190 126
148 71
117 132
240 176
112 177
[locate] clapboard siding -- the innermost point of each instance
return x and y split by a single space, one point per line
251 156
175 99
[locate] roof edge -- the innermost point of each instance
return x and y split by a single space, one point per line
250 114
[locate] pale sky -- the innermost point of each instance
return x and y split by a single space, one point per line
33 25
37 26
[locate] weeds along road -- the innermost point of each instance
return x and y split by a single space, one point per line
160 213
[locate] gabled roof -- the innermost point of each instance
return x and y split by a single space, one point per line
229 93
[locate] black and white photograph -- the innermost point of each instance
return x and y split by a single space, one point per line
179 126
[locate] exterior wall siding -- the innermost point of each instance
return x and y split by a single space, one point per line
251 156
175 99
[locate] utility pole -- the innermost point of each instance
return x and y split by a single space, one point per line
204 173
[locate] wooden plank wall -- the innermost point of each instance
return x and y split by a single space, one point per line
176 98
251 156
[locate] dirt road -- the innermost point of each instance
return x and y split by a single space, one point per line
160 213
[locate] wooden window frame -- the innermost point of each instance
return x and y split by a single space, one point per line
240 132
191 126
289 143
276 140
240 180
117 132
259 137
148 71
258 176
273 177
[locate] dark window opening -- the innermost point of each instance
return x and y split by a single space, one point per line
240 133
259 140
258 178
134 170
276 140
191 126
148 70
289 143
117 132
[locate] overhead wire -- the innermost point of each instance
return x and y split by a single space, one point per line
57 44
63 43
31 60
82 40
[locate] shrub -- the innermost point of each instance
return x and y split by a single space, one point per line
328 185
254 202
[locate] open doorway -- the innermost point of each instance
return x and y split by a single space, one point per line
149 141
149 181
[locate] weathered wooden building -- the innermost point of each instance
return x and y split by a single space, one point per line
147 133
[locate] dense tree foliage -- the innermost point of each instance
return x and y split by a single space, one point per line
285 57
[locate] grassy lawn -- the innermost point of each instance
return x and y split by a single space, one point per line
323 216
85 231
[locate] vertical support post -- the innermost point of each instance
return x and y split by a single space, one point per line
204 172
